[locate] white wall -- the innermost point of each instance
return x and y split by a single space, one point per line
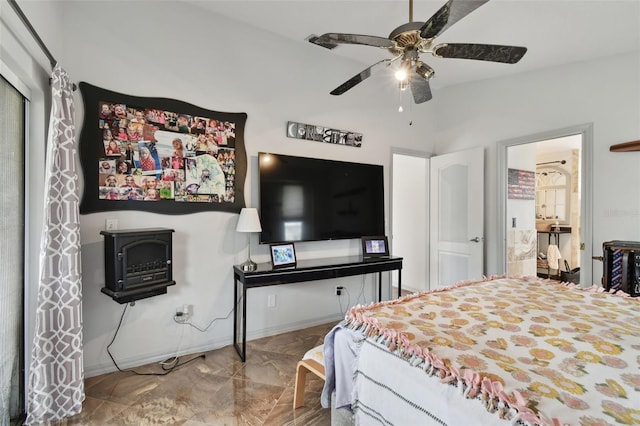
605 92
522 157
220 65
523 234
410 218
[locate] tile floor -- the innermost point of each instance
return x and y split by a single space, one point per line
217 390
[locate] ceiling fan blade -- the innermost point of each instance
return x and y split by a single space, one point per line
481 52
332 40
356 79
420 89
449 14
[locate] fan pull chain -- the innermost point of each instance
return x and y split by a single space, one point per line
410 113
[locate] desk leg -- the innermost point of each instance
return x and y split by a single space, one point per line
379 286
399 282
237 317
244 323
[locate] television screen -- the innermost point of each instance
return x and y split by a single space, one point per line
308 199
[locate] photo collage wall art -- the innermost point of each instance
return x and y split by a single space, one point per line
153 155
156 153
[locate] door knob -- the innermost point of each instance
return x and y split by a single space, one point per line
475 240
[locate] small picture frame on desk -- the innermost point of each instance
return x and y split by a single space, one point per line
283 255
375 247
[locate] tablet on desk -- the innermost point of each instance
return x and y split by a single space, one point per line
375 247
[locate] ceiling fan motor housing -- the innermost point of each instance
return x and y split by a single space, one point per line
406 35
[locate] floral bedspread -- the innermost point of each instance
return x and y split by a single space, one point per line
535 351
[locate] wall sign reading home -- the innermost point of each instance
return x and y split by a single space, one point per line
159 155
312 132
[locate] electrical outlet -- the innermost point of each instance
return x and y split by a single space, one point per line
183 313
187 310
111 224
271 301
339 289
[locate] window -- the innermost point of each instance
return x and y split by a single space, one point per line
552 194
12 228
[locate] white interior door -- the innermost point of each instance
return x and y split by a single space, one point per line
456 217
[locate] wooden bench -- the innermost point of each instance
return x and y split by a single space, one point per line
312 361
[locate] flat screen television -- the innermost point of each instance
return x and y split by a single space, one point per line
309 199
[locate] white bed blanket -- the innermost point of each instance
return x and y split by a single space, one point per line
390 391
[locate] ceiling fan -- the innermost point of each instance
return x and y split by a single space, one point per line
409 40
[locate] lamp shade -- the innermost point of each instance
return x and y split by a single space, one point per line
249 221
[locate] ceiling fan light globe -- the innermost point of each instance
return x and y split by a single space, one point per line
401 74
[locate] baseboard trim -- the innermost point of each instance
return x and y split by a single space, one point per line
285 328
137 361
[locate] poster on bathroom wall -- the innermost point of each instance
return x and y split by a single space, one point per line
159 155
521 185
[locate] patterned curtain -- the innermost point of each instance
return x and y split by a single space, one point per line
56 377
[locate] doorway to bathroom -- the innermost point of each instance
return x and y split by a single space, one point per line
546 214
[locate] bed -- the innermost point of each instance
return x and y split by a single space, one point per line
496 351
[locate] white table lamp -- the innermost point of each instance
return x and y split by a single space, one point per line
249 222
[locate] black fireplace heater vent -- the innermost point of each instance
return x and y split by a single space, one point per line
138 263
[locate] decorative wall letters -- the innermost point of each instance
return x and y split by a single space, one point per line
312 132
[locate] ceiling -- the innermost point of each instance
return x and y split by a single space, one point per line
555 32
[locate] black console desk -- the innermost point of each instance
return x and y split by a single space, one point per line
305 270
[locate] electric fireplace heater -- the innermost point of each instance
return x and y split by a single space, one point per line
137 263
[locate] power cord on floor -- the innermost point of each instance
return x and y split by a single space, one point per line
173 362
202 330
168 363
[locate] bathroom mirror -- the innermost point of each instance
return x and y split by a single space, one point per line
553 187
